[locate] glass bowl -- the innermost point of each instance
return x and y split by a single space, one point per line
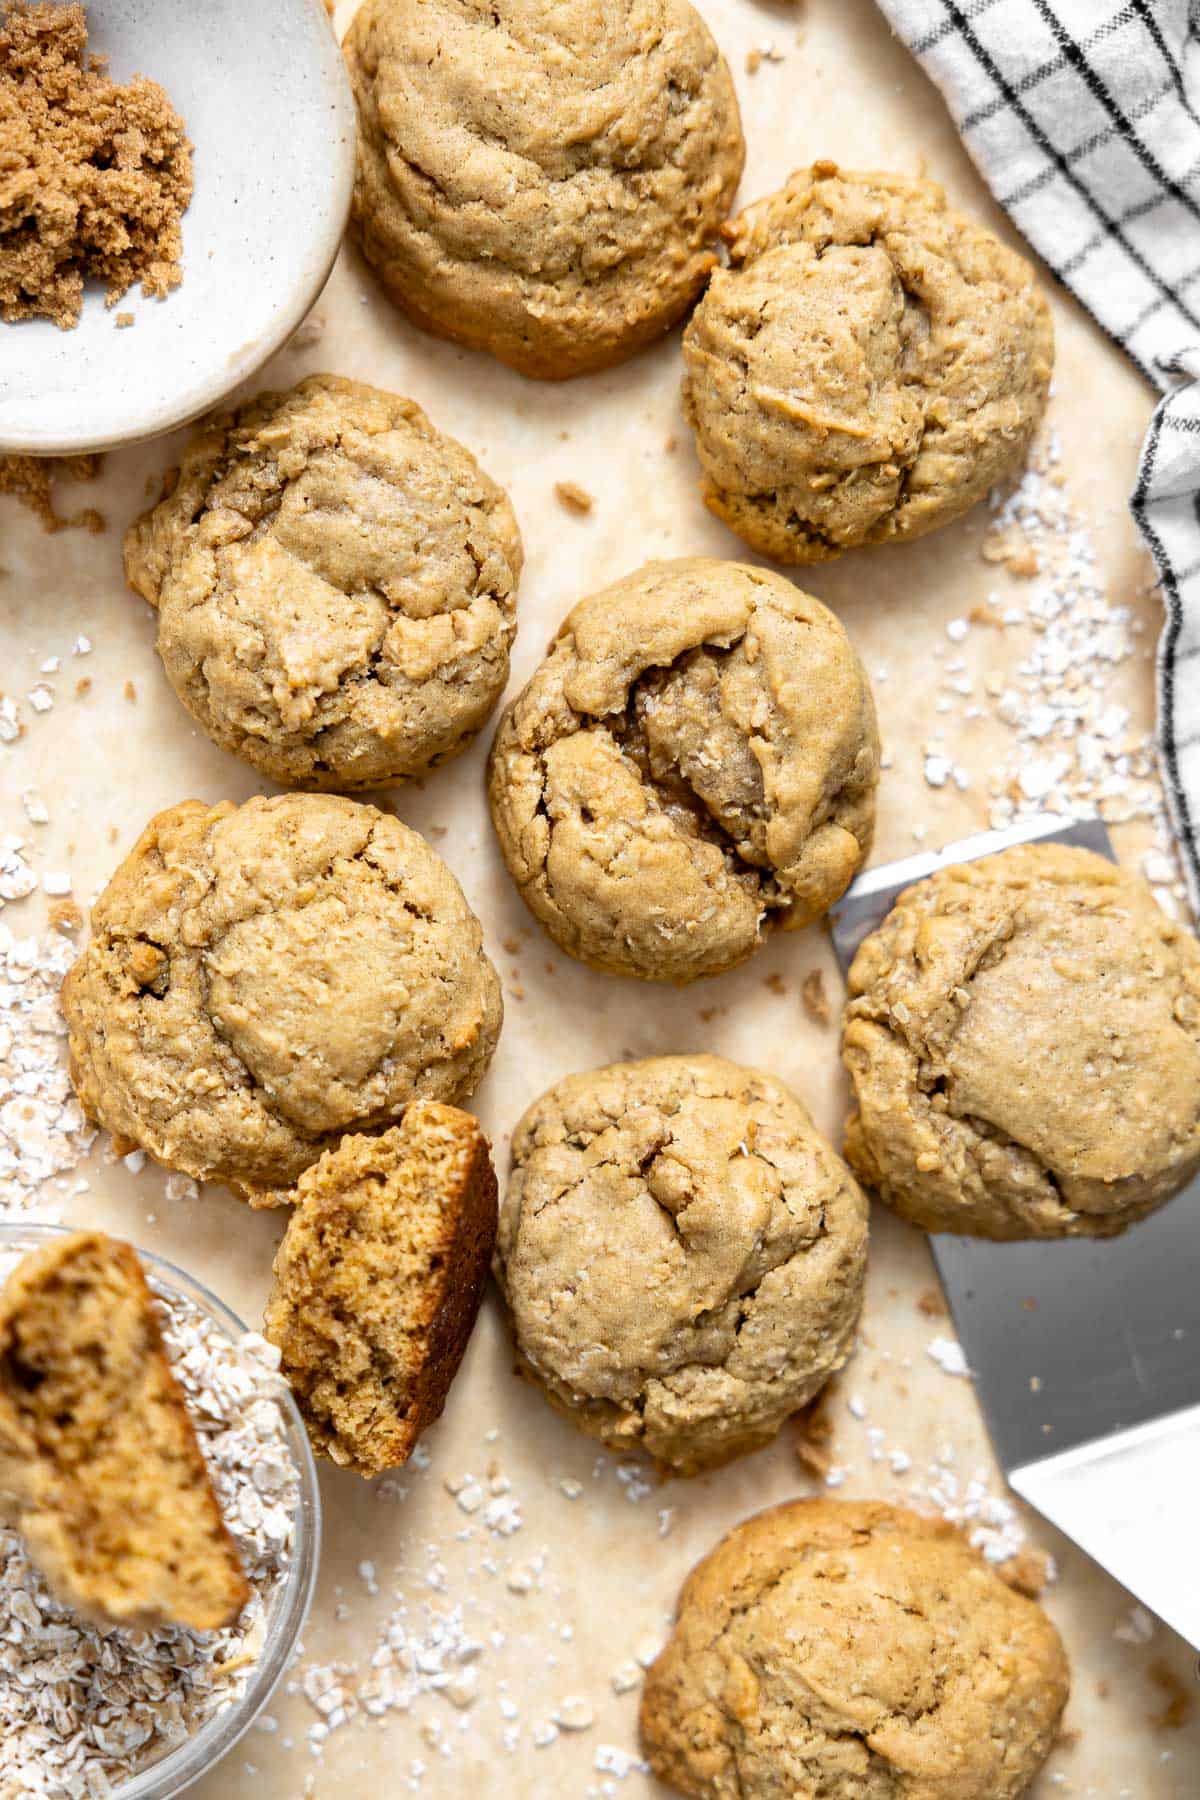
198 1754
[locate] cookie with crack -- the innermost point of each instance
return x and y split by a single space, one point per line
335 584
1023 1040
261 979
847 1647
682 1255
694 764
100 1467
545 182
378 1282
866 368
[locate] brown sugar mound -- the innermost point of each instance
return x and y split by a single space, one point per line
378 1282
94 176
100 1469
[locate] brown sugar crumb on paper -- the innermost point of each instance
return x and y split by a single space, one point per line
30 479
576 499
94 176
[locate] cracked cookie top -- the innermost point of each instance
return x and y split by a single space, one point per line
852 1649
865 370
261 979
682 1255
1023 1040
335 584
544 181
694 762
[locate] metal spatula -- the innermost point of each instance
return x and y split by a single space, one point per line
1085 1354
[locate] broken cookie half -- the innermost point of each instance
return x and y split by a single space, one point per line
101 1471
379 1279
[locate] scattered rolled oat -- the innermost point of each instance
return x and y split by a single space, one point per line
43 1133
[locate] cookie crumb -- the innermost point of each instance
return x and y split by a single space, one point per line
1030 1572
106 172
813 1430
816 1000
123 321
1015 554
931 1302
574 498
1180 1703
64 916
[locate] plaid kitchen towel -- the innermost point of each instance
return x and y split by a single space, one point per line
1084 119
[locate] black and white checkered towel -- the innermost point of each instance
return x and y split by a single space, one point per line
1084 118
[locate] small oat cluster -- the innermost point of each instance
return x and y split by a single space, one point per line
81 1711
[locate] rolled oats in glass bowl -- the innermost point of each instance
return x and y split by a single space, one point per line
140 1715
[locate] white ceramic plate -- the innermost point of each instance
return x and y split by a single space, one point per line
263 91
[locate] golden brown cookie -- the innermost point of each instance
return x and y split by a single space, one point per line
1023 1040
849 1650
544 181
694 763
867 367
263 978
335 584
100 1469
378 1282
682 1255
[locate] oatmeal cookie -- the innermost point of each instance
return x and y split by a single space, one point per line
1023 1040
694 762
100 1469
379 1279
865 370
682 1255
263 978
542 181
335 584
856 1651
